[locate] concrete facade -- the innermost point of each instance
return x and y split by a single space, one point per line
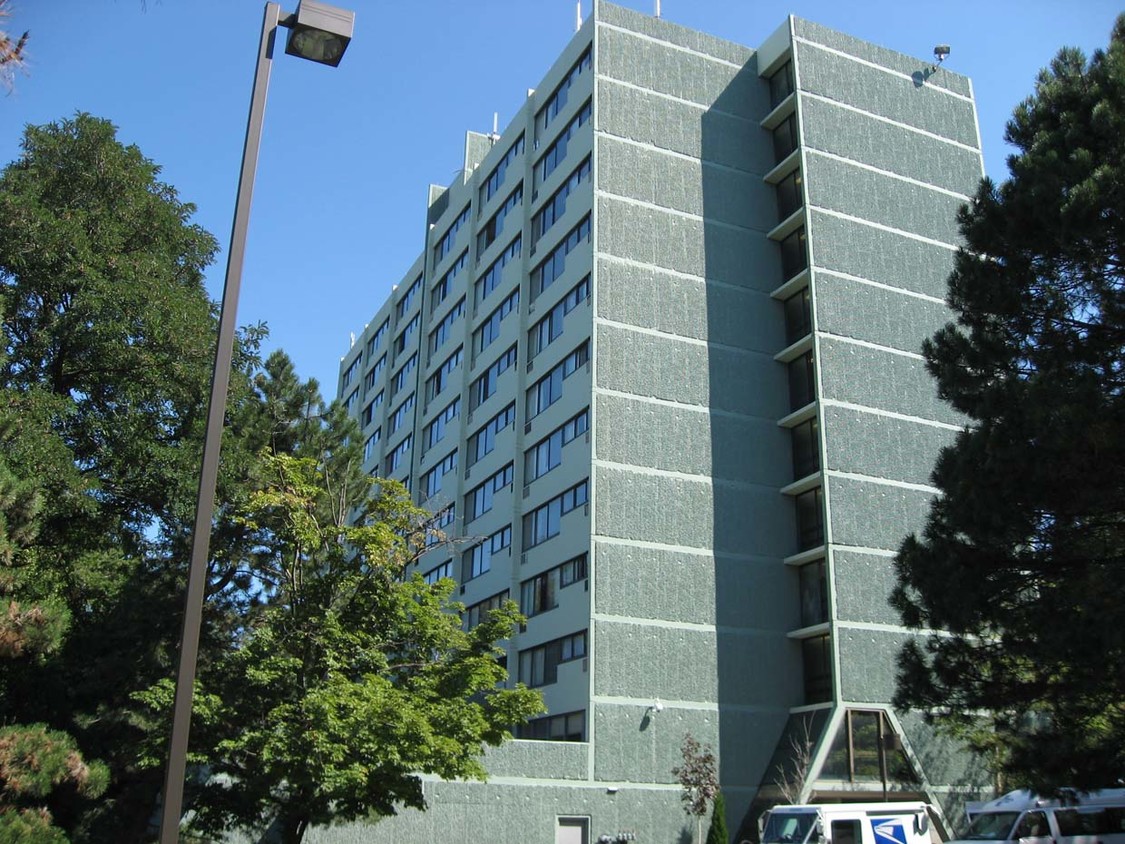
658 365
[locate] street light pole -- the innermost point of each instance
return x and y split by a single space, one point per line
311 40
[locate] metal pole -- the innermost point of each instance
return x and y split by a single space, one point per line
220 381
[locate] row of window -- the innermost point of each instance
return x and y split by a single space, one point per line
540 593
553 266
545 521
437 382
548 389
490 279
401 413
485 385
555 207
539 666
479 499
445 284
557 101
556 152
443 246
434 431
550 327
431 481
546 454
495 225
444 329
478 559
496 177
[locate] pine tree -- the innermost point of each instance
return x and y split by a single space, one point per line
1021 565
717 832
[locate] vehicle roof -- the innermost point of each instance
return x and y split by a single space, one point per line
1018 801
898 806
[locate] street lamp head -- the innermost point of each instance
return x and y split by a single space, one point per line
319 32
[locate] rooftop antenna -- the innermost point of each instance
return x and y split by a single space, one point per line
658 8
941 52
495 136
578 15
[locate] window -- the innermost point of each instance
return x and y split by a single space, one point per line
545 521
369 410
480 498
490 329
370 443
540 593
555 207
401 412
431 481
435 527
446 243
789 196
814 593
781 84
394 459
556 152
810 519
445 283
496 177
551 326
570 726
350 372
798 316
483 388
435 430
435 574
495 225
802 381
545 455
491 278
373 374
408 298
404 336
806 448
444 328
794 255
351 400
539 666
864 749
816 656
477 613
400 377
477 560
785 138
437 382
548 389
376 339
557 101
544 275
484 439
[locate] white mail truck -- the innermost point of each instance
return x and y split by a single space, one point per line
849 823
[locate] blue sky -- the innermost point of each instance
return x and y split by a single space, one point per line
348 153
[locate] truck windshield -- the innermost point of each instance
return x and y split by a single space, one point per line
788 827
992 826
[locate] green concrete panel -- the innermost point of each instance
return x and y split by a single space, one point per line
693 588
689 307
680 74
562 760
870 89
723 379
680 664
504 813
848 189
691 187
677 439
633 744
662 30
703 248
849 308
868 662
863 584
883 380
874 515
849 134
849 246
683 512
747 738
945 760
881 446
712 135
879 55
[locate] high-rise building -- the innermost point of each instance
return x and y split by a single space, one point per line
657 372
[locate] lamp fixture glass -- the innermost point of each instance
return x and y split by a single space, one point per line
319 32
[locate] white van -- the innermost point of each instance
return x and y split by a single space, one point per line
1022 817
848 823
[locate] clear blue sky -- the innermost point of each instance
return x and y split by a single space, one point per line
348 154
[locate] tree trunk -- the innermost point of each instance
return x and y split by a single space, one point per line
293 828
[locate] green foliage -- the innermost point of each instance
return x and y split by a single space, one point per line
351 680
1021 557
717 832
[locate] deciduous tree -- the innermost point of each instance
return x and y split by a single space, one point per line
1021 566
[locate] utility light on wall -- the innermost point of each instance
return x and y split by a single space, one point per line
941 52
